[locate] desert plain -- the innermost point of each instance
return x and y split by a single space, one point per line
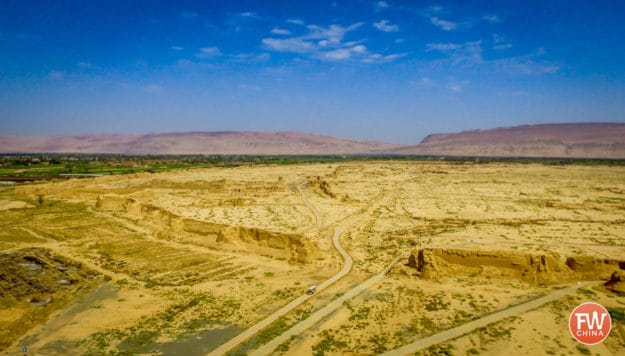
180 262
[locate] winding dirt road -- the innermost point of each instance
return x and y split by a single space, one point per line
232 343
329 308
469 327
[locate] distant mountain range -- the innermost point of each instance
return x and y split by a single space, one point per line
585 140
223 142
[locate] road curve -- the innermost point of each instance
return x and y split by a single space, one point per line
232 343
469 327
329 308
318 221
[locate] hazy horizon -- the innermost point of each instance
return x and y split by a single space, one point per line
364 70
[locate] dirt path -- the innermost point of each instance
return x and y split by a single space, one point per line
323 312
232 343
318 221
482 322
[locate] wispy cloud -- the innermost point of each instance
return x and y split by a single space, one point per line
528 64
326 43
466 54
176 48
455 87
56 75
443 24
84 65
280 31
385 25
491 18
295 21
503 46
208 52
379 58
296 45
251 57
380 5
500 43
345 53
469 54
248 14
444 18
442 47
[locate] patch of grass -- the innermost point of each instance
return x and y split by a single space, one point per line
617 314
328 344
583 350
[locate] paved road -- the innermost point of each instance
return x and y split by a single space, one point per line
315 317
479 323
232 343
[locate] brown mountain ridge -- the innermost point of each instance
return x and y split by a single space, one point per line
567 140
221 142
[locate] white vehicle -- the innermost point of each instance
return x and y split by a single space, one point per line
311 290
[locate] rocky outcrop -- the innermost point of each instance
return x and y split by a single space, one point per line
616 283
589 267
546 268
323 186
296 248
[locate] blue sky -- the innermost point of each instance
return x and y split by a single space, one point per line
376 70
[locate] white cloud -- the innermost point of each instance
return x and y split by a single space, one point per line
333 33
337 54
176 48
503 46
423 81
296 45
442 47
251 57
455 87
248 14
469 54
378 58
491 18
327 43
295 21
500 43
466 54
525 65
280 31
207 52
85 65
384 25
345 53
392 57
380 5
56 75
443 24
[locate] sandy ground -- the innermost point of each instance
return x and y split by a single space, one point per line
189 253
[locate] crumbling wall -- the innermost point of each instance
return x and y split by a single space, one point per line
298 248
545 268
